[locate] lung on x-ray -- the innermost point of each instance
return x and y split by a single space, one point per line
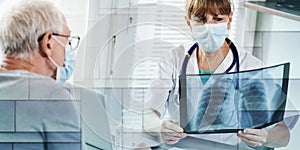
233 101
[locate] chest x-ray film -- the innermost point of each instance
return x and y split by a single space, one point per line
233 101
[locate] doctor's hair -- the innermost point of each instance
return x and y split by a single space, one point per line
24 23
199 8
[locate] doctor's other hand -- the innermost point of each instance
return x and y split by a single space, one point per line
171 132
253 137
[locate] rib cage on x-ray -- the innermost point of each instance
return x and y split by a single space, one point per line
219 106
216 105
229 102
254 106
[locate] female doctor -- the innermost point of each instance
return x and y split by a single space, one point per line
209 22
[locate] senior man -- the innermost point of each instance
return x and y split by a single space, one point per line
37 112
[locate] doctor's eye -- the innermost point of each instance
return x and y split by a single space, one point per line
200 20
218 19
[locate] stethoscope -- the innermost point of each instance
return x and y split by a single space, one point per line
182 76
235 61
231 46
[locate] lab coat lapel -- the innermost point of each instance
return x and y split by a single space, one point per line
226 63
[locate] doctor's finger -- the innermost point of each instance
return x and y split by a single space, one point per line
251 143
173 126
246 136
174 134
253 137
171 142
258 132
167 130
171 138
181 135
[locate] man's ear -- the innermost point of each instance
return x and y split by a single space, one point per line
229 21
46 44
188 22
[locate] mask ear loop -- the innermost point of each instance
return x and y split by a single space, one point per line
61 45
44 53
58 41
53 62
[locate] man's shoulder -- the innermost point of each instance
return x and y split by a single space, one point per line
32 86
82 91
49 88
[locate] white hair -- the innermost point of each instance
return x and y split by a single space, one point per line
24 23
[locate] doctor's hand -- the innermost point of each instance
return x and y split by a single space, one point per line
142 146
171 132
253 137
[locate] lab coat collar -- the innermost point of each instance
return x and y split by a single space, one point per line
192 67
226 63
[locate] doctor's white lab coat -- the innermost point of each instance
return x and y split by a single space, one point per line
166 85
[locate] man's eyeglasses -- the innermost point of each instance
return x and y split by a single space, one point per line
73 40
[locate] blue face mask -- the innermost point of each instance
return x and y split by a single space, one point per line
64 73
210 37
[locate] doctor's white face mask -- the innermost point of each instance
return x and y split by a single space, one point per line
210 37
64 73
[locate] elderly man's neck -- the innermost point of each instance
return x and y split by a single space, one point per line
33 64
